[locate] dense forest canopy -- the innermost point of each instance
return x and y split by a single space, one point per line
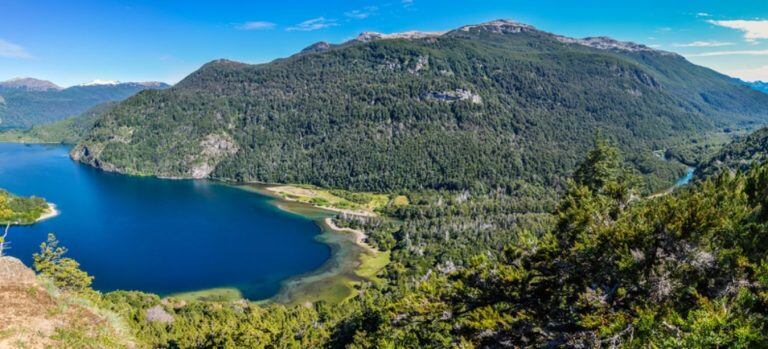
484 105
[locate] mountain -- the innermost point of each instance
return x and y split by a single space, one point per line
30 84
27 102
481 105
68 131
759 85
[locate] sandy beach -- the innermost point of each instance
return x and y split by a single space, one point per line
359 234
50 213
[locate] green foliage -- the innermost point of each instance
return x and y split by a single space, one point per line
20 210
65 272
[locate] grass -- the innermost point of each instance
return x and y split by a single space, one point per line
358 202
371 264
222 294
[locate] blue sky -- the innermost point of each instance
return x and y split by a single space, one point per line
69 42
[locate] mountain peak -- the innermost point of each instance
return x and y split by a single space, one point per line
501 26
31 84
98 82
317 47
413 34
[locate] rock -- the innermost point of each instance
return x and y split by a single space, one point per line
455 95
14 272
158 314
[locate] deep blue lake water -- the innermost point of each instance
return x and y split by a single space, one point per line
159 236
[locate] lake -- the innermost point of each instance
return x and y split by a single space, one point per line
159 236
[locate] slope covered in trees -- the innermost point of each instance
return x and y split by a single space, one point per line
22 107
483 105
69 131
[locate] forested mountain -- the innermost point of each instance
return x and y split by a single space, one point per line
70 130
28 102
480 105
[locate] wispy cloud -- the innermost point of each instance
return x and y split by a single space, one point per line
313 24
705 44
362 13
753 29
731 53
703 14
11 50
256 25
407 3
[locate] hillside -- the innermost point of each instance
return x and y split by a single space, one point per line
24 104
36 314
483 105
69 131
739 155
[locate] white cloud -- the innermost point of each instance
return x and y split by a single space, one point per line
256 25
705 44
407 3
362 14
753 29
751 74
11 50
703 14
313 24
731 53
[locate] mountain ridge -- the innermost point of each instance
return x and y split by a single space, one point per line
23 107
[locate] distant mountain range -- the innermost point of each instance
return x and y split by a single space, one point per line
759 85
26 102
482 105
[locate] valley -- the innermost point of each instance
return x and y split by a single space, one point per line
489 185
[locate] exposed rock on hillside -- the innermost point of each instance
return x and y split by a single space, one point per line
31 316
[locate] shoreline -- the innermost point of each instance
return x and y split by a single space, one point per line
351 260
50 213
285 191
358 234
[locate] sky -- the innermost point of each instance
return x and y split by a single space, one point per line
71 42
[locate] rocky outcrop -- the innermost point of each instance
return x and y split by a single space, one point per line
31 316
455 95
214 149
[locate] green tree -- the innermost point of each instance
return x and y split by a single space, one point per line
6 214
65 272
